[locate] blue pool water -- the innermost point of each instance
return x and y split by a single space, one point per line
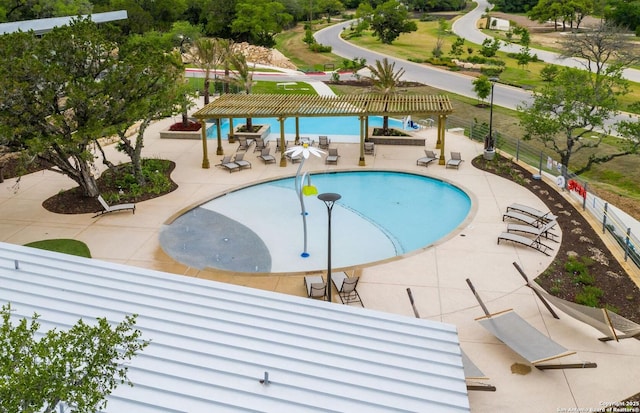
259 228
337 125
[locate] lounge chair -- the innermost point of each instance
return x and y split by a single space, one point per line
455 161
293 159
369 148
286 144
266 156
543 231
244 143
333 156
613 326
427 159
346 287
316 287
471 371
307 140
520 336
526 241
228 164
106 208
524 218
323 142
536 213
260 144
241 162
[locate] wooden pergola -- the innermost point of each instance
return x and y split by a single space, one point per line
300 106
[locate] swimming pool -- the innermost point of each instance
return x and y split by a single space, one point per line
335 125
259 228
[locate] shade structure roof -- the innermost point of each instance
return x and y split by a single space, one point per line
211 343
267 106
41 26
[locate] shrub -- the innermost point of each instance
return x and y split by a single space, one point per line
319 48
589 296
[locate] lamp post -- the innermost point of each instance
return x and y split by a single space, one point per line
489 144
329 200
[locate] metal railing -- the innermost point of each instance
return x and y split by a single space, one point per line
620 226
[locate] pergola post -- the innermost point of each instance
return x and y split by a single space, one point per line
283 159
219 150
205 156
231 136
361 162
442 121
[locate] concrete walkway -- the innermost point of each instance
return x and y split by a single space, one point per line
436 274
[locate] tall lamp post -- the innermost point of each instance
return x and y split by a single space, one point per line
489 144
329 200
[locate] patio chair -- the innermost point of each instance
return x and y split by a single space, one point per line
228 164
241 162
543 231
316 287
307 140
333 156
526 241
244 143
455 161
524 218
323 142
524 339
260 144
536 213
266 156
106 208
427 159
278 148
346 287
369 148
293 159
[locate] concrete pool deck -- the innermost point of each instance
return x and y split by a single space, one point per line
436 275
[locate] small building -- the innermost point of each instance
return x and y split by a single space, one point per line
499 24
223 348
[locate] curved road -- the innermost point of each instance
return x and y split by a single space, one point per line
505 96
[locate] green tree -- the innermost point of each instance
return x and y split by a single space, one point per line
331 7
490 47
571 106
243 78
258 21
391 19
547 10
80 367
208 56
147 84
482 87
54 99
385 82
16 10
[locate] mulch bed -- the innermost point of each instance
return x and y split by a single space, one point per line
578 239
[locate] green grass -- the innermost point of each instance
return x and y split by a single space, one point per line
263 87
65 246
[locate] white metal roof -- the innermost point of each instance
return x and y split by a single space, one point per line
41 26
211 343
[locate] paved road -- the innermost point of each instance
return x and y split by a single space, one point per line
466 28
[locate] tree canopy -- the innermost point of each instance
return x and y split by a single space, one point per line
80 366
390 20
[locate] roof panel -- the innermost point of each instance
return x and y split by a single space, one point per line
256 105
213 342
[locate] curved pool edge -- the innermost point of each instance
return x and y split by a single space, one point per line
464 224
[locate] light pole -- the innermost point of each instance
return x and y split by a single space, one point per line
489 144
329 200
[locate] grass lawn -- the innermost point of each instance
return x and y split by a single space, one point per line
65 246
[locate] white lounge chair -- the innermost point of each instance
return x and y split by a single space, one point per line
333 156
536 213
455 161
316 287
241 162
429 157
228 164
346 287
526 241
266 156
524 218
543 231
106 208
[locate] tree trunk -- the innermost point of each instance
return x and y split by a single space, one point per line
249 125
86 181
385 125
207 84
